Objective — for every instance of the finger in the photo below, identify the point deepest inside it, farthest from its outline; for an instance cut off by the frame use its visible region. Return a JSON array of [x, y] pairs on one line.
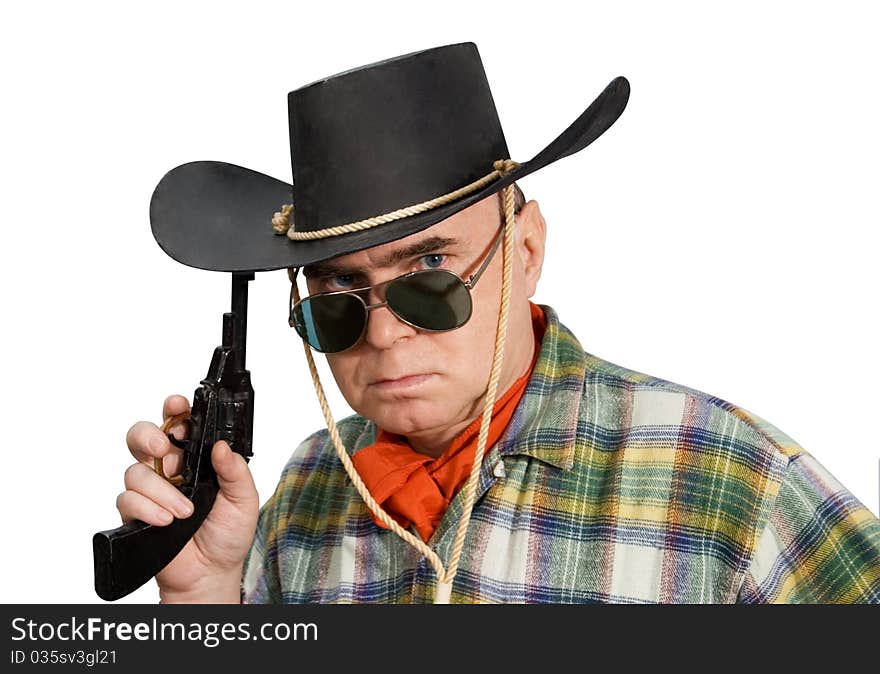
[[233, 474], [145, 481], [147, 442], [174, 405], [134, 506]]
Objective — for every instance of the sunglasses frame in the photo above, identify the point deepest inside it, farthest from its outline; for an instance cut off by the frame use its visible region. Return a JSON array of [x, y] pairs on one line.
[[469, 285]]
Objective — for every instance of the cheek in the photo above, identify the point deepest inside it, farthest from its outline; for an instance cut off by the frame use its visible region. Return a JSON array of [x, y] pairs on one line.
[[466, 354], [344, 370]]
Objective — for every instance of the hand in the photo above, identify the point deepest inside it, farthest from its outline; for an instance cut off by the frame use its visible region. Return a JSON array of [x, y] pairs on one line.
[[208, 568]]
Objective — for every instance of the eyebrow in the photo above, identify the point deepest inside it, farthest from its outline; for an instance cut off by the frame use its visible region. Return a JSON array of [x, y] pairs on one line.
[[422, 247]]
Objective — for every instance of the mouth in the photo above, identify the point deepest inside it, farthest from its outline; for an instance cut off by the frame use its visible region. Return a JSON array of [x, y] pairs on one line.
[[407, 381]]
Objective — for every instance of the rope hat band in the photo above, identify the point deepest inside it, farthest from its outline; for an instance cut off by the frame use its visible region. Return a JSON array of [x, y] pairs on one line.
[[281, 223]]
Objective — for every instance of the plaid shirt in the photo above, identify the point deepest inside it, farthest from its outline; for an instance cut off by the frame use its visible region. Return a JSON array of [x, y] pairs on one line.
[[607, 486]]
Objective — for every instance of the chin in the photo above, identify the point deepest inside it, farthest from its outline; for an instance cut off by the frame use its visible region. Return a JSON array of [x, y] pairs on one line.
[[406, 417]]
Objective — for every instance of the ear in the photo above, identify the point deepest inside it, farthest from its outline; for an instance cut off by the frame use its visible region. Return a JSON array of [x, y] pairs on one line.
[[531, 234]]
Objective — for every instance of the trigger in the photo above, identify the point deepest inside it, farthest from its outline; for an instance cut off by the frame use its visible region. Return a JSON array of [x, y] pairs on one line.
[[180, 444]]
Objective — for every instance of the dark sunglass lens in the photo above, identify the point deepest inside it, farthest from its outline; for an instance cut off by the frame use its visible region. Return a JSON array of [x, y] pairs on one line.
[[330, 323], [433, 300]]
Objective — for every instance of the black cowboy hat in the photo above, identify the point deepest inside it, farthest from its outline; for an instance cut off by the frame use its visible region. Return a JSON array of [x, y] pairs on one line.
[[363, 143]]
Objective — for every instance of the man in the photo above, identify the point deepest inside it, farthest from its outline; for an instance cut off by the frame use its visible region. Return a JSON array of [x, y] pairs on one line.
[[566, 478]]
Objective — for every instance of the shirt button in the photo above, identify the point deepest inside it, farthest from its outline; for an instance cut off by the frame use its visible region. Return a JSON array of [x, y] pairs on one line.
[[498, 470]]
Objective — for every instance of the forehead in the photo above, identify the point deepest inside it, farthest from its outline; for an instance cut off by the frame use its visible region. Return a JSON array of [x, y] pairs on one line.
[[463, 231]]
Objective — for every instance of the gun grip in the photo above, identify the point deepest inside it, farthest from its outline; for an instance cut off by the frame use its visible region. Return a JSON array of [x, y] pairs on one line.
[[128, 556]]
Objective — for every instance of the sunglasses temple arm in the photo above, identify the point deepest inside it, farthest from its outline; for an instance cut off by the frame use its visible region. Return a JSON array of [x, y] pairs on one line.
[[472, 281]]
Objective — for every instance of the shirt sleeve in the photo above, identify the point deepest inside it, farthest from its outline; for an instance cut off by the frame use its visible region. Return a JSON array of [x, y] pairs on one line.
[[820, 544], [261, 577], [260, 582]]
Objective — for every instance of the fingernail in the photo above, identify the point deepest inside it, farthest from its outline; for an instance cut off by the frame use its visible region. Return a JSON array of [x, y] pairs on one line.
[[185, 508], [157, 443], [164, 516]]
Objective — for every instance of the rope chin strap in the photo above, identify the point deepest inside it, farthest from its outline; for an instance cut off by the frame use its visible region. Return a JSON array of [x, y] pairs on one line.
[[445, 575]]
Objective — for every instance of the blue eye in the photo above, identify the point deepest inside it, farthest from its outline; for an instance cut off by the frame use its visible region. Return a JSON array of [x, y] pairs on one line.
[[434, 260], [340, 282]]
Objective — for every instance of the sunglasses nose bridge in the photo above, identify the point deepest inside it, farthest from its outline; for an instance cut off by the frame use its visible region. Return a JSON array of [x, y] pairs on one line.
[[377, 305], [374, 298], [374, 295]]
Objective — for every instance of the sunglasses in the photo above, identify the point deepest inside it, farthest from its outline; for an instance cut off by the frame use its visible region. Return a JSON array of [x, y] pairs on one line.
[[436, 300]]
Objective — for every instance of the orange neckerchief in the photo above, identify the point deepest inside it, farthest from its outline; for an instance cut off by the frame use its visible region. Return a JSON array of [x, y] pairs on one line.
[[416, 489]]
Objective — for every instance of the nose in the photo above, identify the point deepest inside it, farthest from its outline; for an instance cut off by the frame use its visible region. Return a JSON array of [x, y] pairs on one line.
[[384, 329]]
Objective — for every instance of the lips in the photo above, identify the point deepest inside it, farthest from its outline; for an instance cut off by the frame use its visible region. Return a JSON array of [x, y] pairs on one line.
[[397, 378], [402, 381]]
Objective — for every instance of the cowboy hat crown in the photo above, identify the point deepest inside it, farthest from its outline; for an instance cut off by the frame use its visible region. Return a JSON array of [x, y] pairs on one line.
[[378, 153]]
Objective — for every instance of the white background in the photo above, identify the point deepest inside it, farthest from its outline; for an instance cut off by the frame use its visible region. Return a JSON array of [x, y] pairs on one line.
[[722, 235]]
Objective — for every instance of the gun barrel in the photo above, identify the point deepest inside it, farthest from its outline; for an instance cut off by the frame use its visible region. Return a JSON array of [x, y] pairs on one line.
[[239, 311]]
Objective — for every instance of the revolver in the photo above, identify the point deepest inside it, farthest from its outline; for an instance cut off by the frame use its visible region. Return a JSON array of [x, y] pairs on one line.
[[222, 409]]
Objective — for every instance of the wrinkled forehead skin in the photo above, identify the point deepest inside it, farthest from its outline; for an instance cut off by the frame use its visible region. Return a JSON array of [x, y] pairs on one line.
[[466, 231]]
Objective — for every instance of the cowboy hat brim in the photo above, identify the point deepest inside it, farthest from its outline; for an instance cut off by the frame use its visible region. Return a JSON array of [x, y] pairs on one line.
[[217, 216]]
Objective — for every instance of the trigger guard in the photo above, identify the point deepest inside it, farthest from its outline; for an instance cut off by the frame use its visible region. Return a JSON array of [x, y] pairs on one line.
[[173, 421]]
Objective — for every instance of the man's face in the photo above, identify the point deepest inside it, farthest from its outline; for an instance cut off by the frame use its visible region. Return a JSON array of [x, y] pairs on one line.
[[429, 385]]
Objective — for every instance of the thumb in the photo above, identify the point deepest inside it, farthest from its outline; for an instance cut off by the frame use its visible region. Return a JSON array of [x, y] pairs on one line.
[[233, 474]]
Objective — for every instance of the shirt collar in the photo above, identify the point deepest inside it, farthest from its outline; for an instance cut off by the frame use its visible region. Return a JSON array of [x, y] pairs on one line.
[[544, 425]]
